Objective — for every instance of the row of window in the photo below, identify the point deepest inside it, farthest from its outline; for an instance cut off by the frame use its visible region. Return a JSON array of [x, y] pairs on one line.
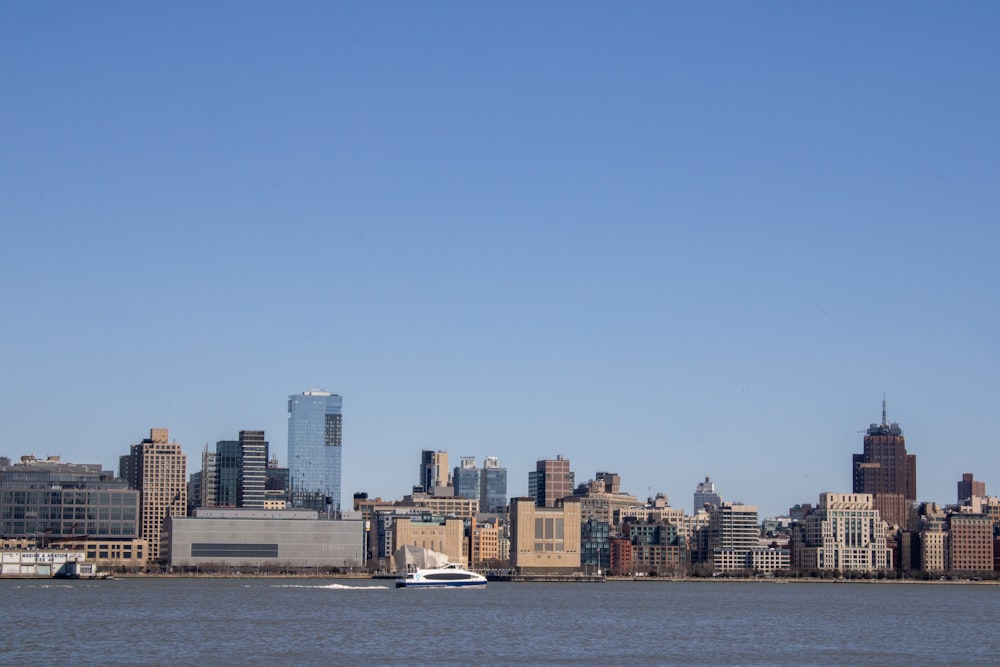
[[233, 550]]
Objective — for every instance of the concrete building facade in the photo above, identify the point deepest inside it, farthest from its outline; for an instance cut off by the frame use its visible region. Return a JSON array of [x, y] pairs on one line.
[[484, 543], [545, 539], [440, 534], [844, 532], [434, 473], [255, 538], [733, 532]]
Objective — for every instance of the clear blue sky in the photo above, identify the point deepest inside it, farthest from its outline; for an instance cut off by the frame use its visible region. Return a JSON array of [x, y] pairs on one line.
[[662, 239]]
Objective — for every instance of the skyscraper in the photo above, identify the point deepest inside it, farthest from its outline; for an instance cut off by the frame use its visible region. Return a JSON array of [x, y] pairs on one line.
[[705, 494], [493, 487], [235, 474], [433, 470], [157, 468], [227, 471], [466, 478], [968, 488], [314, 449], [252, 470], [551, 481], [886, 471]]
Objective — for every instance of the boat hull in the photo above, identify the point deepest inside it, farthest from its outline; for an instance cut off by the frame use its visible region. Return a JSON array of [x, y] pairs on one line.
[[439, 584], [448, 576]]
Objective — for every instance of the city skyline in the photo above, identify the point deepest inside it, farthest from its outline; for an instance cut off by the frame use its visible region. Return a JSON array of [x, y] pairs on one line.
[[669, 240], [430, 459]]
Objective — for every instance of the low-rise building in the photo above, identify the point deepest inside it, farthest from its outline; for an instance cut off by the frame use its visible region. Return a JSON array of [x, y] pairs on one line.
[[484, 543], [656, 547], [767, 560], [264, 539], [109, 555], [47, 499], [441, 505], [48, 563]]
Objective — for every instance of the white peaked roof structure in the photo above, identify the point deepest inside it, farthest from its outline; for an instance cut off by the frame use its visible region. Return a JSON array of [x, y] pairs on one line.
[[410, 558]]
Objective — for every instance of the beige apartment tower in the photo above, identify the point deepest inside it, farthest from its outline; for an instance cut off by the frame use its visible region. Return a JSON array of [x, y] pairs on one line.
[[434, 473], [157, 468]]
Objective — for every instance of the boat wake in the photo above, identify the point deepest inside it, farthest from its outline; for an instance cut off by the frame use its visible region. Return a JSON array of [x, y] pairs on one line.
[[334, 587]]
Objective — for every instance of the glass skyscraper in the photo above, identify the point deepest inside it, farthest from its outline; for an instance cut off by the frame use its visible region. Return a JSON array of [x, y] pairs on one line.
[[493, 487], [314, 442], [466, 478]]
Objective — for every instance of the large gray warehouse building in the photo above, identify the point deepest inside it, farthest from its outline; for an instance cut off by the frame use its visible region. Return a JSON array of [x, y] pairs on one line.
[[254, 538]]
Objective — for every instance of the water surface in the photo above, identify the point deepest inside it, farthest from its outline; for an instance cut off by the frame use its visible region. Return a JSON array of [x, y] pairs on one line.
[[253, 621]]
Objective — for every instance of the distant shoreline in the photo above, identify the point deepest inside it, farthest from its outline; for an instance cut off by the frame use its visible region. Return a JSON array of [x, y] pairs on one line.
[[662, 580]]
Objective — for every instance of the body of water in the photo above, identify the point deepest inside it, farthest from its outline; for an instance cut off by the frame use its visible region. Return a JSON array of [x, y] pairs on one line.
[[361, 622]]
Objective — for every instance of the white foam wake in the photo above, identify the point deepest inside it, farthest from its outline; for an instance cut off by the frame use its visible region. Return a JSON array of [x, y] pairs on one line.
[[333, 587]]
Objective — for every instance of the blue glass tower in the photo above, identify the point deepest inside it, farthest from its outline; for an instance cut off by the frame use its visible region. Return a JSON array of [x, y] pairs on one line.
[[466, 479], [493, 487], [314, 442]]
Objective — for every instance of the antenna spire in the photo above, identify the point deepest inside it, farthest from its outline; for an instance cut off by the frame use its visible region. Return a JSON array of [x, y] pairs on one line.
[[884, 422]]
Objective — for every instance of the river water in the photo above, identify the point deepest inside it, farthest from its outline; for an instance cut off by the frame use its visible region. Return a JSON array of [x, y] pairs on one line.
[[251, 621]]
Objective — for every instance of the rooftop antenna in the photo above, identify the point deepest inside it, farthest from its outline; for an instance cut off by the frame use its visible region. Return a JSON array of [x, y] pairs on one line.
[[884, 422]]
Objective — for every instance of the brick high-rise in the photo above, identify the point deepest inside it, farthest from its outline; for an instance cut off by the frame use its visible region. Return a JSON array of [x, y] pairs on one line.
[[969, 488], [551, 481], [886, 471]]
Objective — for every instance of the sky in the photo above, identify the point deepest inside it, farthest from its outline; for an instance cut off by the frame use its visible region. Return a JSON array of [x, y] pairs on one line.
[[665, 239]]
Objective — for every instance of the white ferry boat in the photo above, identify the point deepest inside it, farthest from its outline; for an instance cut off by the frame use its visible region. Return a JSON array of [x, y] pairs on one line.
[[446, 576]]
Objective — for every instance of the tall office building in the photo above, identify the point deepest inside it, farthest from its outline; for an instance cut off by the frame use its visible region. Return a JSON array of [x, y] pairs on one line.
[[466, 478], [969, 488], [315, 429], [205, 482], [227, 467], [433, 470], [157, 468], [705, 494], [252, 469], [493, 487], [886, 471], [733, 534], [551, 481], [235, 474]]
